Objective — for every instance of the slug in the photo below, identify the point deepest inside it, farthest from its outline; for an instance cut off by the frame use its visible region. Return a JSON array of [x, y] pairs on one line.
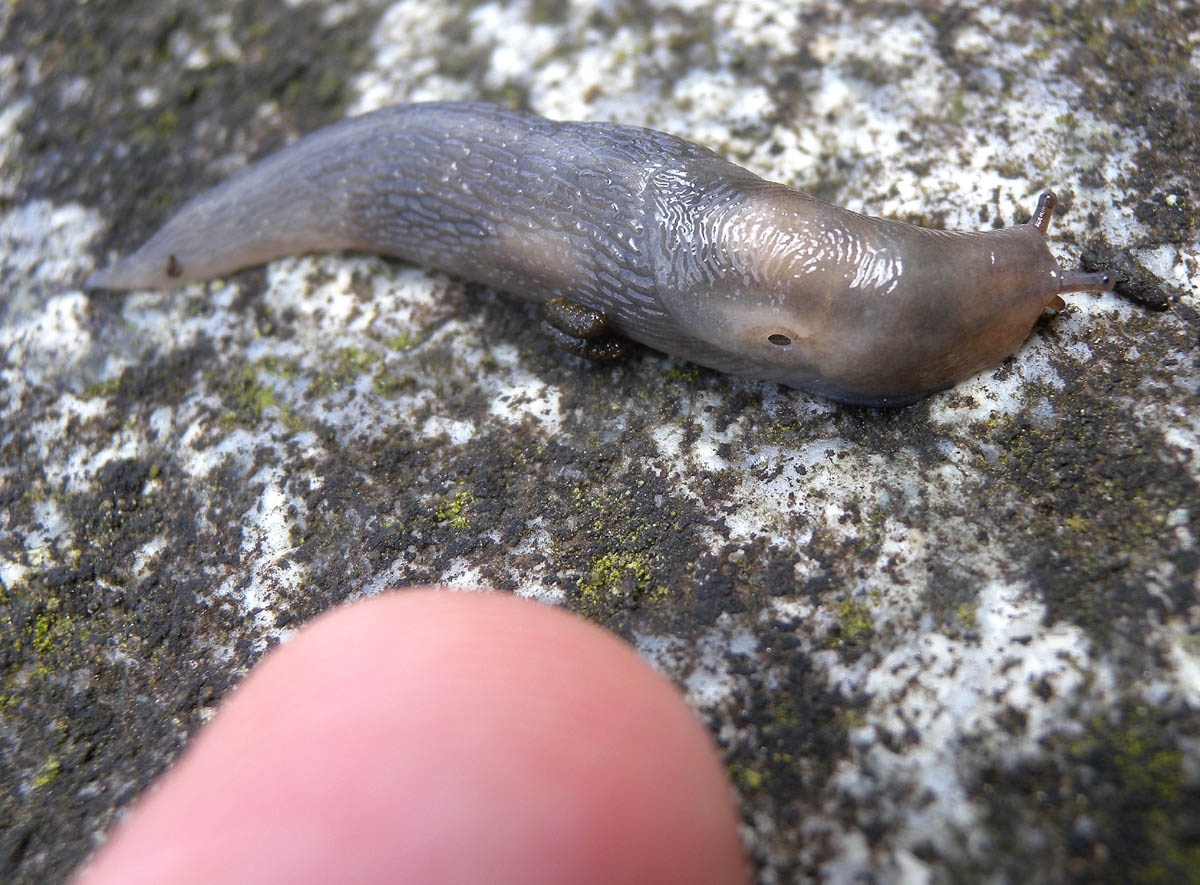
[[639, 233]]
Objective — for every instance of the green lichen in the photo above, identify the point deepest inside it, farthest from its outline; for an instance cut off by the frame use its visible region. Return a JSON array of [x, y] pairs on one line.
[[957, 109], [617, 580], [345, 367], [687, 375], [622, 531], [453, 510], [46, 634], [784, 715], [403, 342], [966, 616], [327, 88], [616, 573], [749, 780], [278, 366], [249, 394], [385, 384], [854, 622], [255, 31], [779, 432], [102, 389], [50, 629], [48, 773]]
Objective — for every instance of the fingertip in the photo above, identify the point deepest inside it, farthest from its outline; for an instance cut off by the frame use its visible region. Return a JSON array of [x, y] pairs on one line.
[[439, 736]]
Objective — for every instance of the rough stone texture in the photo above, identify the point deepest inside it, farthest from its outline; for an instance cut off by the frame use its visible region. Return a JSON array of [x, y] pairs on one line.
[[956, 641]]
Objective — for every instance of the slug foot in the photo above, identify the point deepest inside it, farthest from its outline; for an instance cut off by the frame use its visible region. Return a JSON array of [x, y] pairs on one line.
[[581, 330]]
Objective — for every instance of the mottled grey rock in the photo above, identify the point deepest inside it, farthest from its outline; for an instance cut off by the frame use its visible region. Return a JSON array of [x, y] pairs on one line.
[[956, 641]]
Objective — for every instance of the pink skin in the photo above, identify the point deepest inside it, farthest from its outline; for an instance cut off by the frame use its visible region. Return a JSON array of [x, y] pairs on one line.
[[426, 736]]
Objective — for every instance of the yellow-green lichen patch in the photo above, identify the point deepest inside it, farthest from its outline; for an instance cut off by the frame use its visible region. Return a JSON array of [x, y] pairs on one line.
[[250, 394], [688, 375], [453, 510], [157, 127], [621, 530], [748, 779], [616, 581], [855, 624], [278, 366], [791, 720], [37, 628], [50, 629], [966, 616], [102, 389], [385, 384], [48, 773], [402, 343], [615, 574], [343, 369]]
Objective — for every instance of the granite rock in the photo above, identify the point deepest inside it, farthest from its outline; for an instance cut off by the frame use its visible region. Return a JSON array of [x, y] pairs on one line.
[[956, 641]]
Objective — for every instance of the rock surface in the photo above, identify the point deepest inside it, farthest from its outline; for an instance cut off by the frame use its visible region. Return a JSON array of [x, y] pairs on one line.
[[955, 641]]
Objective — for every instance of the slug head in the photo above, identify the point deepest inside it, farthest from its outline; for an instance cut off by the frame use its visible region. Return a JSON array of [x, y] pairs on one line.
[[866, 310]]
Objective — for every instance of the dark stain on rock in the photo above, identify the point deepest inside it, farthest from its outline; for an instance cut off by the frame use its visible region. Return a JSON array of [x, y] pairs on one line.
[[1098, 491], [147, 131], [95, 637], [1113, 804]]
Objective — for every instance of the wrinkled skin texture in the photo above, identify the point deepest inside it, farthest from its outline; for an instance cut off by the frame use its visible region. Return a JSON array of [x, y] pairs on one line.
[[677, 248]]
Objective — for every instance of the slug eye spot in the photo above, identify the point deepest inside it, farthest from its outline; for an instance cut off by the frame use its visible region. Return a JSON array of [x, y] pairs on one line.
[[779, 340]]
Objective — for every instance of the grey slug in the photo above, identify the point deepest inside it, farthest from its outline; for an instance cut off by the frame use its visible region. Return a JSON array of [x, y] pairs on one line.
[[638, 232]]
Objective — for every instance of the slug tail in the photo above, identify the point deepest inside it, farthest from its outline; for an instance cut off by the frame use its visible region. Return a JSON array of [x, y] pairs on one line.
[[100, 279], [304, 198], [133, 272]]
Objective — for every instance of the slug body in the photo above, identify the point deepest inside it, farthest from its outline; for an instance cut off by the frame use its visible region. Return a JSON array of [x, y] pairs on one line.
[[676, 247]]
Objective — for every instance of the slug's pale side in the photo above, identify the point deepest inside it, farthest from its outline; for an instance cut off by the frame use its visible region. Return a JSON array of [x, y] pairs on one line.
[[638, 232]]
